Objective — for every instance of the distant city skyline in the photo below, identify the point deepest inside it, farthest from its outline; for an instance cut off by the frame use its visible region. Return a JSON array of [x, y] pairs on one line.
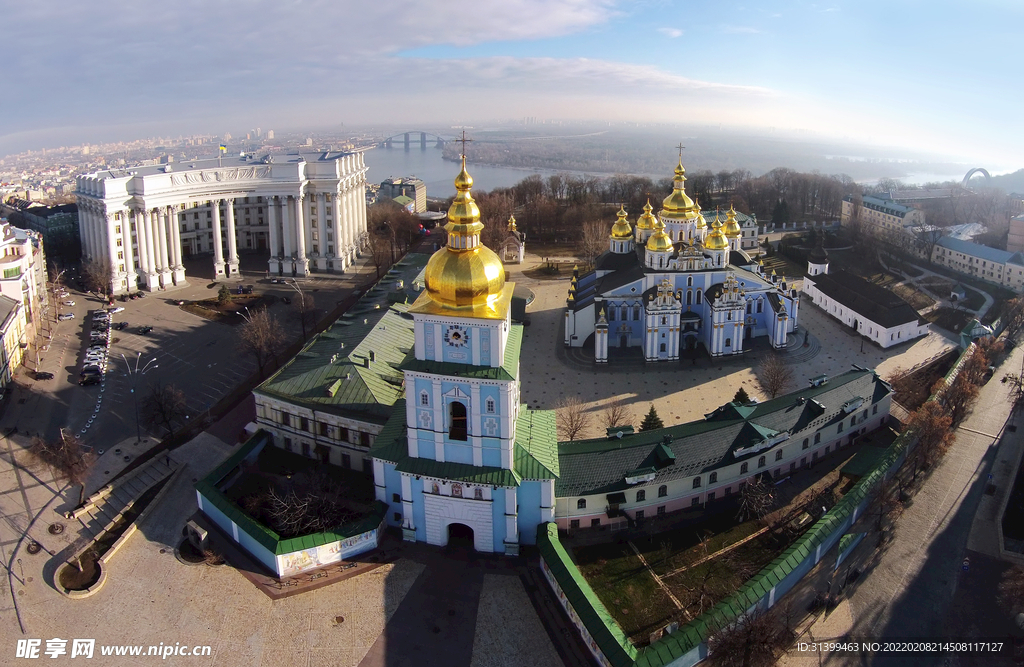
[[940, 78]]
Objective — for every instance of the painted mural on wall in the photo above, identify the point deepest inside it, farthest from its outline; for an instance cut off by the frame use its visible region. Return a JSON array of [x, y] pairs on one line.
[[297, 562]]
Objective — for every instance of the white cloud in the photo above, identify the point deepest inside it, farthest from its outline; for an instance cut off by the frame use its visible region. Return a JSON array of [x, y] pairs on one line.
[[671, 32]]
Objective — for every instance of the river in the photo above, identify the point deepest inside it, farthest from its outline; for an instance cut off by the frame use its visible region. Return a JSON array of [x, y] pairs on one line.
[[438, 174]]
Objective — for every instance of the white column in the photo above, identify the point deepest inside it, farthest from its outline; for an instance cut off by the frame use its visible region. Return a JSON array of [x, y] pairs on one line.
[[165, 268], [339, 243], [273, 237], [360, 196], [140, 241], [301, 263], [129, 255], [321, 217], [178, 269], [232, 241], [218, 244], [287, 232], [149, 220]]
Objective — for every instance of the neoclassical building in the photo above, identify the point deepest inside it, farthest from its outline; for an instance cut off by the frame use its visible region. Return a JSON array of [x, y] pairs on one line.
[[673, 283], [307, 210]]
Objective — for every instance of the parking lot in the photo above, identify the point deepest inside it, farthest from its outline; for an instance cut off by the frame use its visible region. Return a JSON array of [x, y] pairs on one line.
[[200, 357]]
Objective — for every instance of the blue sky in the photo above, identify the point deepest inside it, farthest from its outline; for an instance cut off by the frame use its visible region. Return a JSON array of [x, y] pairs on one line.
[[936, 76]]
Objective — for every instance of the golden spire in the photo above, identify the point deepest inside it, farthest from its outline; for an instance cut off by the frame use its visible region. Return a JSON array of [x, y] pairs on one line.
[[512, 223], [678, 206], [659, 240], [732, 228], [646, 221], [621, 231], [465, 272], [716, 239]]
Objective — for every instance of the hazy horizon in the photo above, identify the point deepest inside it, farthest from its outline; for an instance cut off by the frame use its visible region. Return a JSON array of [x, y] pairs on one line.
[[860, 73]]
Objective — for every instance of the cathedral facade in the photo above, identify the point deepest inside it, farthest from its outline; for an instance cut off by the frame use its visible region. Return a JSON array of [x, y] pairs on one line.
[[672, 283]]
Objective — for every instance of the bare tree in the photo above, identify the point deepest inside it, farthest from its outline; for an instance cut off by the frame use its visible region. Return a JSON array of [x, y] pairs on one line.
[[262, 336], [932, 426], [96, 275], [1013, 317], [757, 500], [592, 240], [885, 504], [774, 376], [305, 311], [572, 417], [66, 456], [958, 396], [314, 503], [617, 414], [164, 405], [381, 250], [755, 640]]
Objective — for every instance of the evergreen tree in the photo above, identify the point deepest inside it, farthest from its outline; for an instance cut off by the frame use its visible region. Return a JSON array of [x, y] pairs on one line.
[[652, 420], [224, 294], [741, 396], [780, 215]]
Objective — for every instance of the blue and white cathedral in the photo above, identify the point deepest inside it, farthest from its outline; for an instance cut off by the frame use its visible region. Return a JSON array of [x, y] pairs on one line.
[[461, 454], [672, 284]]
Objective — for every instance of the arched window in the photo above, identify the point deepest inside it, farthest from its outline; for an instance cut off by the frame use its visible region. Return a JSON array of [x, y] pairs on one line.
[[760, 462], [728, 342], [748, 308], [743, 468], [490, 405], [778, 455], [729, 316], [581, 504], [689, 281], [641, 496], [699, 295], [456, 490], [636, 312], [840, 428], [760, 305], [696, 482], [689, 297], [662, 491], [424, 398], [664, 320], [712, 478], [662, 347], [457, 421]]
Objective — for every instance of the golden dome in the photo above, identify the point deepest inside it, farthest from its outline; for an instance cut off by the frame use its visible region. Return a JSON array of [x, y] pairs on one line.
[[464, 273], [659, 241], [647, 220], [678, 205], [716, 239], [511, 221], [621, 230], [732, 228]]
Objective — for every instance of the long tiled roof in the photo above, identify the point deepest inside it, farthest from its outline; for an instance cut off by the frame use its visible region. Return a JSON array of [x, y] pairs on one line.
[[588, 467], [864, 298], [334, 372], [981, 251]]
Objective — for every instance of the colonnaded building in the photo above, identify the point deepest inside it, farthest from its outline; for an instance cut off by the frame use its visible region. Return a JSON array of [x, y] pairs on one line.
[[674, 283], [307, 210], [419, 384]]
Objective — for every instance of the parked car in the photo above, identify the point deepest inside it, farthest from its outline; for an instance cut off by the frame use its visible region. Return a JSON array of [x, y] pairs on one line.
[[145, 330], [43, 375], [121, 326], [97, 347], [89, 379], [248, 289], [63, 317], [69, 302], [115, 309], [276, 280]]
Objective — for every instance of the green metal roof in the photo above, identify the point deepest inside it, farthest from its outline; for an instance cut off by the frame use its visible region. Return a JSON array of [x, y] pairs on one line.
[[536, 448], [509, 369], [334, 372], [460, 472]]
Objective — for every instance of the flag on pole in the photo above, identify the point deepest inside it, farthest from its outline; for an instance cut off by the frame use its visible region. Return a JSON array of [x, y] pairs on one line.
[[223, 148]]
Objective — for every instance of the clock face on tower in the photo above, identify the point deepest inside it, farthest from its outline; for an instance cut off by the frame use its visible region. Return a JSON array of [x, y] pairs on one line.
[[456, 336]]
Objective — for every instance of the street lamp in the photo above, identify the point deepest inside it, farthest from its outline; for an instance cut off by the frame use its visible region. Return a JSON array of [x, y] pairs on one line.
[[133, 377]]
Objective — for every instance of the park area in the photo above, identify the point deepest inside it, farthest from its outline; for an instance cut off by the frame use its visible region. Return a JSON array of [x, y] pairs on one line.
[[701, 563]]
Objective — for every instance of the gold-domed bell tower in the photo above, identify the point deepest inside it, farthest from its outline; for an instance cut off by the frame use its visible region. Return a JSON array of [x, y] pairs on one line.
[[621, 239], [679, 213], [732, 230], [716, 244], [659, 247], [465, 278], [645, 224]]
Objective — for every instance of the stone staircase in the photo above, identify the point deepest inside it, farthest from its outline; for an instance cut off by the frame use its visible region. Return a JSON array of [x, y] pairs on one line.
[[103, 508]]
